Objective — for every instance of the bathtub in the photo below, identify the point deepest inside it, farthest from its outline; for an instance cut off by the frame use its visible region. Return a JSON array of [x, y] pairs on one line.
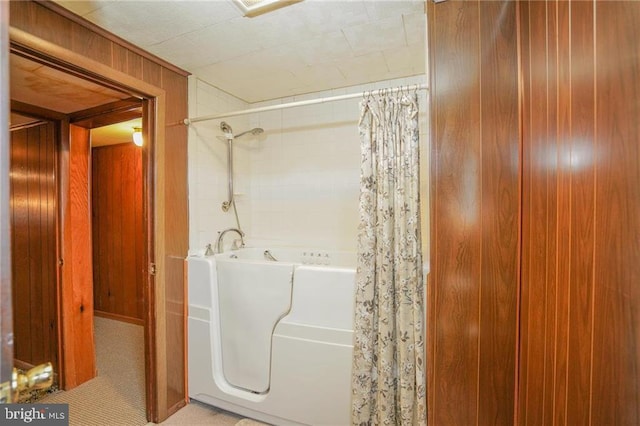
[[270, 334]]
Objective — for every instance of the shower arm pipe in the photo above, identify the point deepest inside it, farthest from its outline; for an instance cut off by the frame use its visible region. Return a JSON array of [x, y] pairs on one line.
[[411, 87]]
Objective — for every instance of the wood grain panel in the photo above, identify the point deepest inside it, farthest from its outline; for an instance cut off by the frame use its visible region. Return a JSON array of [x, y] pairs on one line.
[[119, 57], [546, 120], [563, 242], [117, 230], [49, 244], [455, 259], [77, 297], [33, 243], [580, 223], [500, 212], [473, 282], [175, 333], [34, 234], [52, 27], [99, 241], [90, 44], [20, 221], [152, 72], [176, 221], [582, 105], [134, 65], [615, 394], [538, 320], [526, 314], [549, 160]]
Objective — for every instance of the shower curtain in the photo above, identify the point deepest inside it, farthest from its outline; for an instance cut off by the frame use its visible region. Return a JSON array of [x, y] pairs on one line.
[[388, 379]]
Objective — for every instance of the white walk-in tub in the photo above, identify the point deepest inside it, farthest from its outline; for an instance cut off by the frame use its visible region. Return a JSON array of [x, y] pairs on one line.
[[272, 339]]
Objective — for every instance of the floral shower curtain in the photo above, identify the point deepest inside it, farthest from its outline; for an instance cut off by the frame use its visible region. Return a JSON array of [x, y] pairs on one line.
[[388, 380]]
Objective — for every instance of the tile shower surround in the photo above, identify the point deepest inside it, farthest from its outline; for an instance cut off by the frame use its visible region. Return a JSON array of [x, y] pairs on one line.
[[297, 184]]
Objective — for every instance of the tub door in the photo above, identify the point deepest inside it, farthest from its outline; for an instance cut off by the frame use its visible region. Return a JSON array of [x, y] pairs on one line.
[[252, 297]]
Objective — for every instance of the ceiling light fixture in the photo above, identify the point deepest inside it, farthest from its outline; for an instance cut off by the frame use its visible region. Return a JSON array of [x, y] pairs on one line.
[[137, 136], [252, 8]]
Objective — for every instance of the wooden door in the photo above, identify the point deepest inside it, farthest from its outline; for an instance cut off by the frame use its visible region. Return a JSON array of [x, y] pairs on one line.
[[78, 348], [580, 344]]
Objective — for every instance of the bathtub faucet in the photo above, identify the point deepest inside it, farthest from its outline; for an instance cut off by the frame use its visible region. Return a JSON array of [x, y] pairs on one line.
[[221, 236]]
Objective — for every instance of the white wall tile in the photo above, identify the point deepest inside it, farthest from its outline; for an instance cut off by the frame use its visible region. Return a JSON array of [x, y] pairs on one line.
[[300, 179], [208, 166]]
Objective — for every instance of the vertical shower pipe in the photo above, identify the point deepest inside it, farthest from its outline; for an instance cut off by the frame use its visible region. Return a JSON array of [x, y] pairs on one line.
[[228, 134], [226, 205]]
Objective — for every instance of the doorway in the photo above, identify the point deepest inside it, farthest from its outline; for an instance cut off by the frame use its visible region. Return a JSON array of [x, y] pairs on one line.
[[75, 106], [117, 222]]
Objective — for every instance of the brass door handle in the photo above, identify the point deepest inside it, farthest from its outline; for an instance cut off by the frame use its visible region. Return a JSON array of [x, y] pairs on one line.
[[39, 377]]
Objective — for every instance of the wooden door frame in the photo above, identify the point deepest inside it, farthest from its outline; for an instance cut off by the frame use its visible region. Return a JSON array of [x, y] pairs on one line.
[[153, 161]]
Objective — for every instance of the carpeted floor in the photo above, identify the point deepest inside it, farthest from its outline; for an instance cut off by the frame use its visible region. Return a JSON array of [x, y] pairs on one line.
[[116, 396]]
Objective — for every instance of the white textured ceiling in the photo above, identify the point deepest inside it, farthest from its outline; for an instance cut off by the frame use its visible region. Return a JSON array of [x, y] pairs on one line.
[[310, 46]]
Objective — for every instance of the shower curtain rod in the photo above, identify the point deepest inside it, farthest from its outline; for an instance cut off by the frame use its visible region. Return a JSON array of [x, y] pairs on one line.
[[189, 121]]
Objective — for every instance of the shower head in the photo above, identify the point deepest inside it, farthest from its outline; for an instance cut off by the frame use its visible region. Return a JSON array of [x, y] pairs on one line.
[[254, 132], [228, 132]]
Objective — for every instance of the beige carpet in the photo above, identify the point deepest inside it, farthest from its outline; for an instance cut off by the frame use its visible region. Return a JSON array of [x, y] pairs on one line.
[[116, 396]]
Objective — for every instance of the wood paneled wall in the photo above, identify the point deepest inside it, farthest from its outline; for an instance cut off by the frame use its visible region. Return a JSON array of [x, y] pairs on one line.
[[52, 24], [118, 231], [570, 72], [33, 244], [175, 193], [475, 206], [580, 350]]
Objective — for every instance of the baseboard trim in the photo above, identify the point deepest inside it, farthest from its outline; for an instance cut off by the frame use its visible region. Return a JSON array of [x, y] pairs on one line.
[[117, 317]]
